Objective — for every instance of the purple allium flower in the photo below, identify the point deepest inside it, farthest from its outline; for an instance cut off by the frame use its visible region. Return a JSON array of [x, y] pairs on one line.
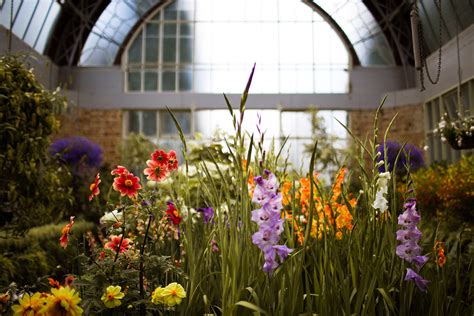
[[207, 214], [419, 281], [268, 217], [410, 152], [78, 152]]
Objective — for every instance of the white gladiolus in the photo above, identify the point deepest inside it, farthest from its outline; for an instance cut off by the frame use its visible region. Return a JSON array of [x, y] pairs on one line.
[[381, 202]]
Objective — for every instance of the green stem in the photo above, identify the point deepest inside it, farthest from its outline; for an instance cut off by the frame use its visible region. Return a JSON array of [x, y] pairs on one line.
[[141, 272], [117, 251]]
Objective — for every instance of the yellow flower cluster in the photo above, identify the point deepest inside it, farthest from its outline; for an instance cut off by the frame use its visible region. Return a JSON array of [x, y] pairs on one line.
[[112, 296], [60, 302], [332, 214], [170, 295]]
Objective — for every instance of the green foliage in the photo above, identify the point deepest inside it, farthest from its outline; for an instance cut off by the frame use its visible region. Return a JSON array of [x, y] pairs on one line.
[[26, 259], [30, 191], [135, 151]]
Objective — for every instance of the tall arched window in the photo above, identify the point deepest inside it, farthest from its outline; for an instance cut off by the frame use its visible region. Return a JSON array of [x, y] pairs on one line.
[[209, 46]]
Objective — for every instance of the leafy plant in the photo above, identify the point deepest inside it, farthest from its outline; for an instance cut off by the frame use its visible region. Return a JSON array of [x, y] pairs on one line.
[[30, 182]]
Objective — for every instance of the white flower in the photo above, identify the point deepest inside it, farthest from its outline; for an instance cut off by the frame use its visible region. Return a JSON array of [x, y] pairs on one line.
[[380, 202], [111, 218]]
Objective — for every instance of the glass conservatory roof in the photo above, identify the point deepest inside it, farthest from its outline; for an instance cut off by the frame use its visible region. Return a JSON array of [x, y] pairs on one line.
[[360, 28], [32, 20], [109, 33], [351, 16]]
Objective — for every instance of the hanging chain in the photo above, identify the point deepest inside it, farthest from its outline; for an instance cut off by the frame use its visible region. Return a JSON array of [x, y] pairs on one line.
[[422, 41]]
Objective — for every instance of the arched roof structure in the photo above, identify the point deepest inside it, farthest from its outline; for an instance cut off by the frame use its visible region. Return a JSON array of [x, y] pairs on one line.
[[93, 32]]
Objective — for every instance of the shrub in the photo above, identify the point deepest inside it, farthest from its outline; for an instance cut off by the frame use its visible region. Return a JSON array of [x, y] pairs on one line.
[[445, 192], [30, 180], [38, 254]]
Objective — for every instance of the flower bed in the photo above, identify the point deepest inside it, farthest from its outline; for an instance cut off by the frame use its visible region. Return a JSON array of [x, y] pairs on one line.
[[247, 236]]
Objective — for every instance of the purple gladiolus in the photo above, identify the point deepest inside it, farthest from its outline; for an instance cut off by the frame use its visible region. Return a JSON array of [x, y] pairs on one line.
[[409, 250], [420, 261], [268, 217], [415, 277], [207, 214], [410, 234]]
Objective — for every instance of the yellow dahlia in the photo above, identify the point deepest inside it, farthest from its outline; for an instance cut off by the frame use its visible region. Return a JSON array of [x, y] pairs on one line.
[[112, 296], [173, 294], [63, 302], [30, 305], [157, 296]]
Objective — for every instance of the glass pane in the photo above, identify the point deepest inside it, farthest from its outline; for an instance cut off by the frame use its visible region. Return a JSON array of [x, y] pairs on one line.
[[185, 29], [169, 50], [167, 126], [169, 30], [135, 51], [185, 80], [296, 124], [134, 81], [133, 122], [171, 14], [149, 123], [157, 16], [26, 13], [450, 101], [185, 50], [151, 51], [151, 81], [168, 82], [152, 30], [172, 144], [185, 15]]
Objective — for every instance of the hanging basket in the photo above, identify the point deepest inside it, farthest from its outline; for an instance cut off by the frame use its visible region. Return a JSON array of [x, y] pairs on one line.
[[459, 142]]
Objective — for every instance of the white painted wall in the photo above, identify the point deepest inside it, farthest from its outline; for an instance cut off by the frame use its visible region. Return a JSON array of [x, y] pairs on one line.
[[449, 71], [103, 87]]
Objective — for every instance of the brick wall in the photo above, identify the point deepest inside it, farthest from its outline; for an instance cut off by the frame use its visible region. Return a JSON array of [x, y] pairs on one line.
[[407, 127], [101, 126]]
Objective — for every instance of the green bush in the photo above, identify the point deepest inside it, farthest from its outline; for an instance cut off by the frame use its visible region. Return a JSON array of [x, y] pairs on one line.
[[30, 192], [445, 193], [26, 259]]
